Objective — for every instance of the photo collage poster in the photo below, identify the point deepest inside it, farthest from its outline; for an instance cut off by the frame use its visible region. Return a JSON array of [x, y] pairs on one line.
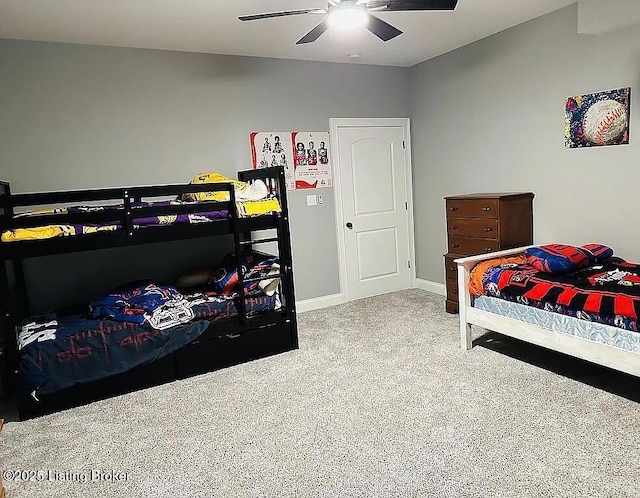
[[311, 159], [273, 148], [304, 155]]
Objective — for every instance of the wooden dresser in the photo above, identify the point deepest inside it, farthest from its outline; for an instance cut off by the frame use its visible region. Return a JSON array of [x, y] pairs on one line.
[[480, 223]]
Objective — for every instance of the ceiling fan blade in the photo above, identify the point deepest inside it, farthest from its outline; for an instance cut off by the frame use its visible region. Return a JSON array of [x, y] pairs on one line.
[[314, 34], [284, 13], [381, 29], [400, 5]]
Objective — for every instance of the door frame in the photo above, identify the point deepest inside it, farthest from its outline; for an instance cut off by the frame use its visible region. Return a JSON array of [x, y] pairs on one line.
[[334, 125]]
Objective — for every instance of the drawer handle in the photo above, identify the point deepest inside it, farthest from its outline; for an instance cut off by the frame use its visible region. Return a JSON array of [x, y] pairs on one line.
[[487, 229], [455, 246], [451, 268], [488, 249], [455, 291], [453, 209], [486, 209], [454, 227], [233, 336]]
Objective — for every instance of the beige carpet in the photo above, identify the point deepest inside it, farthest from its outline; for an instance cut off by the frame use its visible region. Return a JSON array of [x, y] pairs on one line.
[[379, 401]]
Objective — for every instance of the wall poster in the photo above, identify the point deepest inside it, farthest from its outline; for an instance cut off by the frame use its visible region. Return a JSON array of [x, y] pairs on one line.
[[311, 159], [597, 119], [273, 148], [304, 155]]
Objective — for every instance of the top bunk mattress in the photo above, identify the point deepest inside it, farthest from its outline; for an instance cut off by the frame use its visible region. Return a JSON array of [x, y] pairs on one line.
[[252, 199], [207, 215]]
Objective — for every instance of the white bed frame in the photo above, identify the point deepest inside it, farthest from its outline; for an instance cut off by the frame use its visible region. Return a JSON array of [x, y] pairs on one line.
[[602, 354]]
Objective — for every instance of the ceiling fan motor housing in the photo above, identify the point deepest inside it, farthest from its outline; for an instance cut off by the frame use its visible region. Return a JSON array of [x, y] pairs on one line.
[[354, 13], [347, 15]]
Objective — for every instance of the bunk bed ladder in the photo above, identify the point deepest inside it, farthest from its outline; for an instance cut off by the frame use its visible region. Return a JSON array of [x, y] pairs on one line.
[[286, 257], [277, 184], [238, 250]]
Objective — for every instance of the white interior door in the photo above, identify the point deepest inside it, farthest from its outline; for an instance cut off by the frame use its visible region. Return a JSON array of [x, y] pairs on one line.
[[373, 181]]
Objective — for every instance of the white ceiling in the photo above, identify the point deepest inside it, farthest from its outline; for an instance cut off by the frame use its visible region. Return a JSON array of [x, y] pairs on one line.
[[211, 26]]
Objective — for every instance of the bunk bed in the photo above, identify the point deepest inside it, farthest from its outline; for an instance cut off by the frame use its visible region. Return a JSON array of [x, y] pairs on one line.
[[227, 332], [588, 336]]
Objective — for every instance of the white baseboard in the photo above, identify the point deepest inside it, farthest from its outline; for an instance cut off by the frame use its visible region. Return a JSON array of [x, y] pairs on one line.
[[430, 286], [319, 302]]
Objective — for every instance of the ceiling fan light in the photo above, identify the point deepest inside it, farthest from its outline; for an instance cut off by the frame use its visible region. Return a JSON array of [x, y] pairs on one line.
[[348, 18]]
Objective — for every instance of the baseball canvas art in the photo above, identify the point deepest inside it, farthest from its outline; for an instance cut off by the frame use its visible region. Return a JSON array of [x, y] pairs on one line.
[[598, 119]]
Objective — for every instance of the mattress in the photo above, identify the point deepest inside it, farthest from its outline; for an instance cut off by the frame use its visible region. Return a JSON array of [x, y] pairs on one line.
[[61, 350], [569, 325]]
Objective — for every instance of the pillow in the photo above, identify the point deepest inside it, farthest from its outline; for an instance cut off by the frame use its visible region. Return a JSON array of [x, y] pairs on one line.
[[244, 191], [599, 251], [476, 286], [225, 279], [559, 258], [132, 304], [211, 177], [196, 278]]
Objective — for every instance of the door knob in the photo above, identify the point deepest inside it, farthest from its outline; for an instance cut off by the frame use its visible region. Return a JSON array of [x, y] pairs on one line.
[[349, 225]]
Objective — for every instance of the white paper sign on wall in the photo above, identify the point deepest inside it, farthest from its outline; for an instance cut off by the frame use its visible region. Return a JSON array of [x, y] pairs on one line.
[[311, 159]]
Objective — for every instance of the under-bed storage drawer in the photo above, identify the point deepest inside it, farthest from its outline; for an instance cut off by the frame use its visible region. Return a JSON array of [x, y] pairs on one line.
[[157, 372], [206, 356]]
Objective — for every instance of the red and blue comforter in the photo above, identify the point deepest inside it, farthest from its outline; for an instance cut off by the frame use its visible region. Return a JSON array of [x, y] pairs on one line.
[[607, 292], [58, 351]]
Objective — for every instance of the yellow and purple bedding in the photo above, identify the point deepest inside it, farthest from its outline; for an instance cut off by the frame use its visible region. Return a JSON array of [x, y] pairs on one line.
[[251, 200]]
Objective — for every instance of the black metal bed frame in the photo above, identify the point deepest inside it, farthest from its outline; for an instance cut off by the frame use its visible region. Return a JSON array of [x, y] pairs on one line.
[[230, 341]]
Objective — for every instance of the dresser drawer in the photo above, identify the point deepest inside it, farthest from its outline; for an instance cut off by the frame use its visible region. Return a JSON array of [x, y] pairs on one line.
[[471, 245], [452, 289], [473, 227], [451, 306], [450, 268], [473, 208]]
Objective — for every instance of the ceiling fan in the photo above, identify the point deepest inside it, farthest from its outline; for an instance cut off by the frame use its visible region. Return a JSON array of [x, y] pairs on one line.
[[354, 13]]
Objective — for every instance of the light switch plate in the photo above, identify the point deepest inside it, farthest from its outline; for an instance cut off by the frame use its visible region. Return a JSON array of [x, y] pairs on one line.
[[312, 200]]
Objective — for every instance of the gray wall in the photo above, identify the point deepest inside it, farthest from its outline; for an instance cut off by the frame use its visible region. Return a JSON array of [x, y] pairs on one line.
[[486, 117], [74, 116], [490, 117]]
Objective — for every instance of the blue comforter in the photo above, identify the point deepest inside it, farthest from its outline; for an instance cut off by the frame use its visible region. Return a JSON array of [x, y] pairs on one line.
[[58, 351]]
